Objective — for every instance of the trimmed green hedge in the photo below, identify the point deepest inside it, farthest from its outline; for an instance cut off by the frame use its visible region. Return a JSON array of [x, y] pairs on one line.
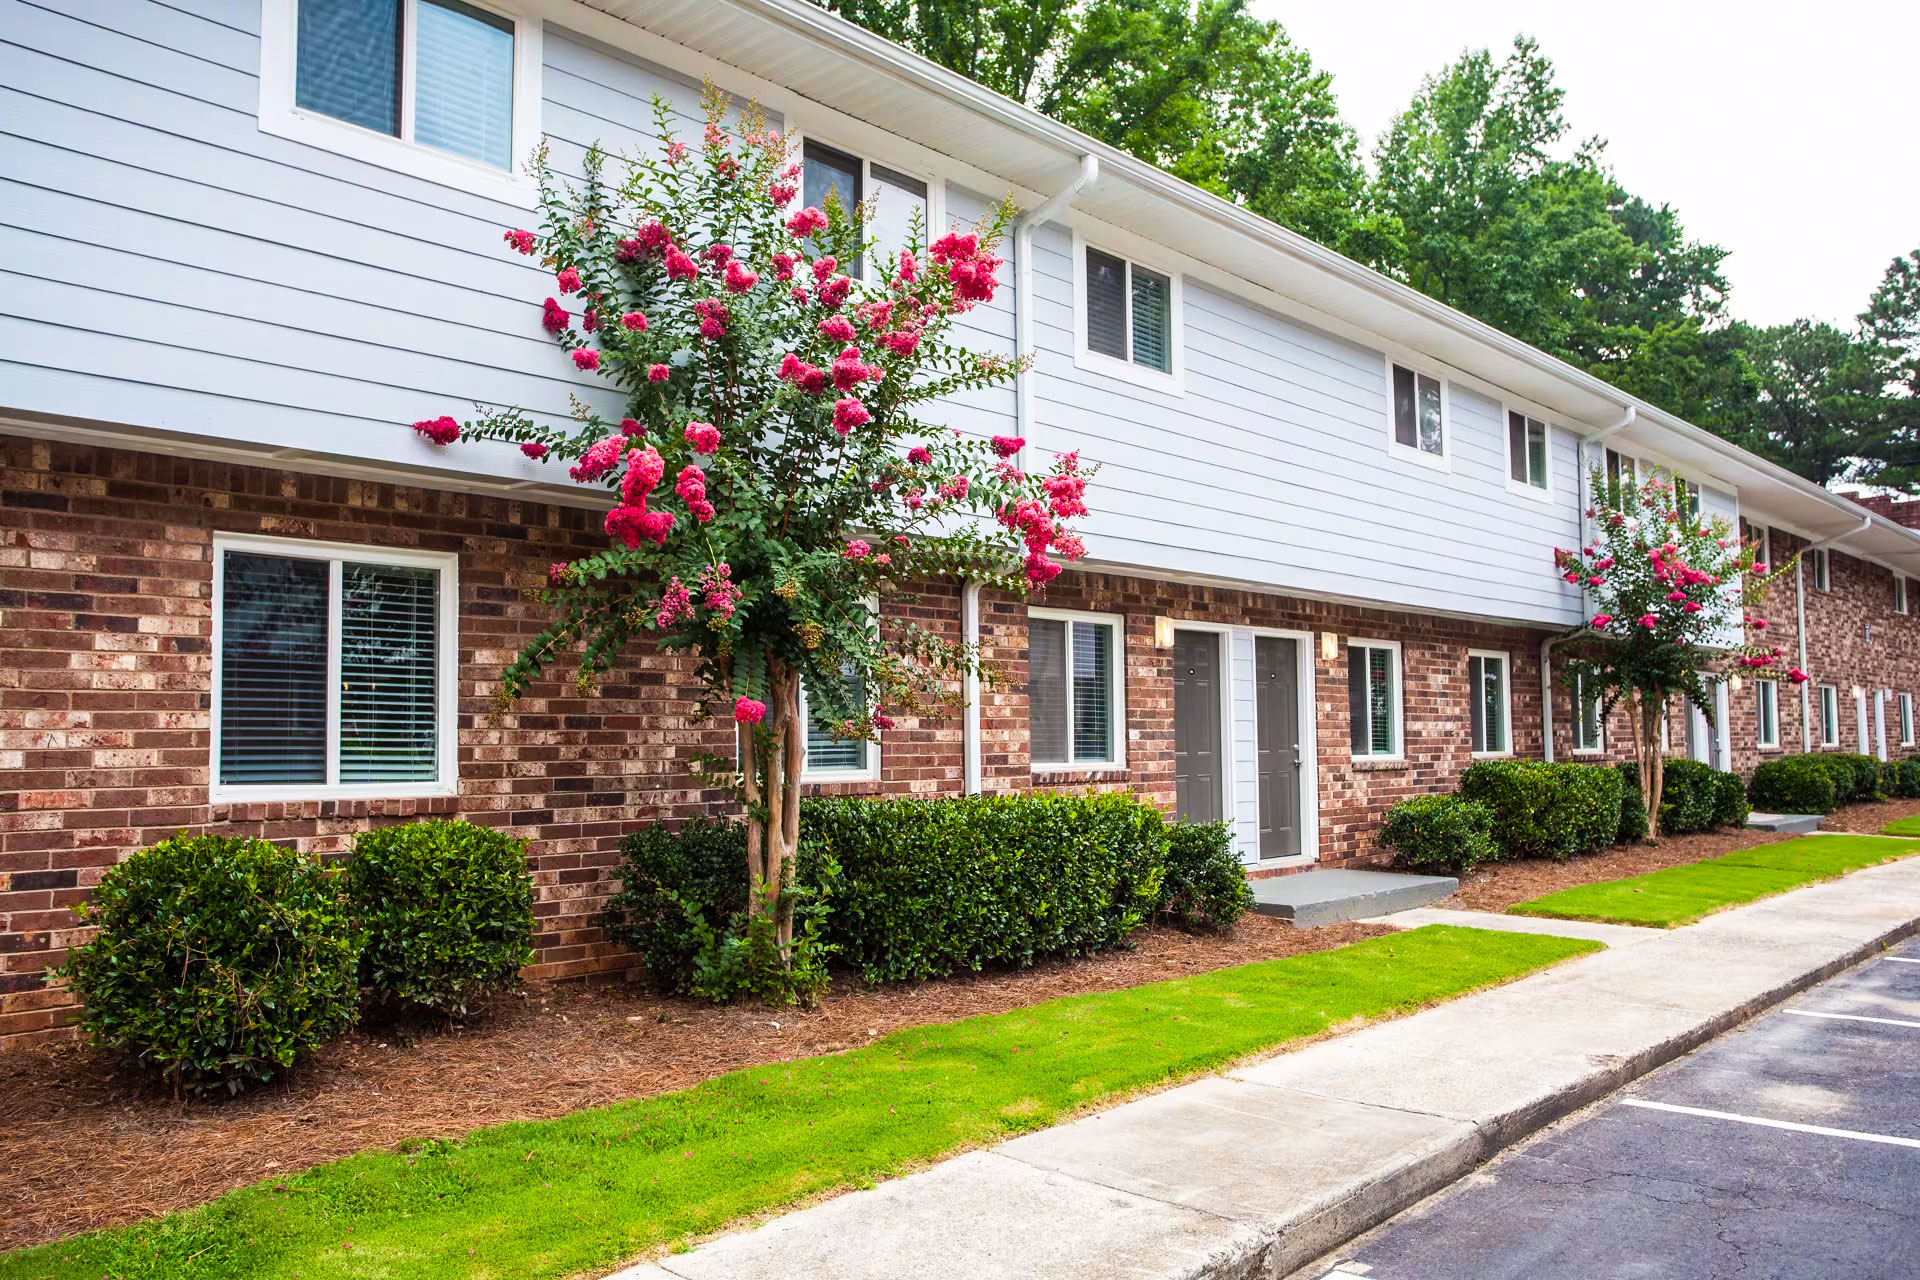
[[219, 960], [445, 912], [1905, 778], [1545, 810], [1689, 793], [1204, 886], [1439, 833], [1794, 784], [675, 889], [1633, 806], [929, 887], [1730, 807]]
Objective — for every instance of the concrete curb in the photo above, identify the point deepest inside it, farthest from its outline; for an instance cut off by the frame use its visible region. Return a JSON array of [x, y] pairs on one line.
[[1253, 1174]]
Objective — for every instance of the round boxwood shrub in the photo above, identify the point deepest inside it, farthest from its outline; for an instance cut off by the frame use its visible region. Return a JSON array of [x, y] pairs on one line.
[[677, 889], [1546, 810], [1204, 887], [1794, 784], [1439, 833], [1688, 792], [218, 961], [1730, 807], [1906, 778], [445, 911]]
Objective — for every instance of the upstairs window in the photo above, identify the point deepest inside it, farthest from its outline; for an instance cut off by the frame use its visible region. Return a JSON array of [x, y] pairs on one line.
[[1822, 570], [1419, 413], [1526, 451], [900, 201], [1588, 733], [1373, 698], [333, 671], [1128, 319], [1074, 698], [1767, 718], [1487, 703], [436, 72], [1686, 497]]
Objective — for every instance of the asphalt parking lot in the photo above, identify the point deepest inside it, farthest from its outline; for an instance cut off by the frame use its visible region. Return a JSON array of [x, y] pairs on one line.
[[1788, 1149]]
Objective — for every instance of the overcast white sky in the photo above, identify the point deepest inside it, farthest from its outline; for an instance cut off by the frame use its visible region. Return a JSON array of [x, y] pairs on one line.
[[1784, 133]]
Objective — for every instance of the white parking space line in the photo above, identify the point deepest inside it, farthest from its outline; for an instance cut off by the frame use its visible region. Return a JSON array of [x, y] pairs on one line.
[[1762, 1121], [1851, 1017], [1902, 959]]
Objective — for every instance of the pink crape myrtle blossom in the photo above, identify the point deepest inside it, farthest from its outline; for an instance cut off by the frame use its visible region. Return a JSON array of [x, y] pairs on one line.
[[441, 430], [748, 711], [704, 437]]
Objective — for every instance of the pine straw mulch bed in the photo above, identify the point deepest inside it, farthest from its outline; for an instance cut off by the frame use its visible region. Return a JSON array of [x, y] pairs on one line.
[[1499, 886], [83, 1146]]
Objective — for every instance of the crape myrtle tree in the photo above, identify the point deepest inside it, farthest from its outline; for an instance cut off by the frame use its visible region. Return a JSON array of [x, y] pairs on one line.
[[772, 479], [1669, 588]]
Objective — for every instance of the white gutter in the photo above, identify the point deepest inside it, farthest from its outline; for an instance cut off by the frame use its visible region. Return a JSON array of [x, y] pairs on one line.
[[1580, 522], [1800, 625], [1023, 227], [970, 714]]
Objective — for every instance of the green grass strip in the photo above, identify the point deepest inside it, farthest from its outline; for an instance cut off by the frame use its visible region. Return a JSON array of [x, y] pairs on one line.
[[1681, 895], [590, 1190], [1902, 827]]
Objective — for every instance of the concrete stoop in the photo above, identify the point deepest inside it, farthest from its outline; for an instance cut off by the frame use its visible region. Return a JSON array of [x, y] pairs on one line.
[[1334, 895], [1266, 1168], [1793, 824]]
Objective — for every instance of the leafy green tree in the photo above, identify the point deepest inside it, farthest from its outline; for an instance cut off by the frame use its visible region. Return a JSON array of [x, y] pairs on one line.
[[771, 473], [1002, 44], [1823, 404], [1892, 323]]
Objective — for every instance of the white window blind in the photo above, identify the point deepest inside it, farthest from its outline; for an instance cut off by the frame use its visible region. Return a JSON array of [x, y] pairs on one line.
[[334, 672], [1129, 311], [1487, 712], [349, 58], [828, 754], [463, 82], [1072, 699], [1372, 694]]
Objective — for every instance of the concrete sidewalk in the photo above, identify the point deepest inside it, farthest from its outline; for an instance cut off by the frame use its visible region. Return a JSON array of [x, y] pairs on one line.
[[1256, 1172]]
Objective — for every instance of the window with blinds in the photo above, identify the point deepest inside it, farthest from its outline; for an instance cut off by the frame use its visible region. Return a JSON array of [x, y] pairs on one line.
[[1588, 733], [332, 672], [351, 59], [1487, 698], [1129, 311], [827, 754], [1073, 701], [1767, 714], [1527, 451], [1373, 685]]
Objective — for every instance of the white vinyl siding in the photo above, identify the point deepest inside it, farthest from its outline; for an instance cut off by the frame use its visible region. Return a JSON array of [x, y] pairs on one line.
[[1487, 712], [1588, 733], [1373, 697], [1529, 454], [334, 671], [1829, 716], [1075, 698], [1767, 713], [1417, 413]]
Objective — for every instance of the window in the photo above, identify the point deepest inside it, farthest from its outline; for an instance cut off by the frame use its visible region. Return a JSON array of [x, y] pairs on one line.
[[1588, 733], [1763, 549], [1686, 495], [830, 759], [1526, 451], [1767, 717], [1899, 594], [334, 671], [1822, 570], [441, 89], [1621, 470], [1419, 413], [1906, 719], [1074, 694], [1373, 696], [1127, 314], [900, 210], [1487, 703], [1829, 716]]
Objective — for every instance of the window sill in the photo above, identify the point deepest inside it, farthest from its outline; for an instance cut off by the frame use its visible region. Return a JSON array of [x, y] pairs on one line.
[[1078, 770], [1519, 490], [1173, 384], [869, 777], [1766, 746], [1420, 457], [307, 795], [1492, 755], [1380, 764]]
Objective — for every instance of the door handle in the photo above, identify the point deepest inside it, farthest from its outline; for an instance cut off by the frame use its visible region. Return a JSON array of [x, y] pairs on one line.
[[1296, 757]]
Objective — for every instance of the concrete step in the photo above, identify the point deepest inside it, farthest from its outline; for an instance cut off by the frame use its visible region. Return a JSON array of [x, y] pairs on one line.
[[1793, 824], [1333, 895]]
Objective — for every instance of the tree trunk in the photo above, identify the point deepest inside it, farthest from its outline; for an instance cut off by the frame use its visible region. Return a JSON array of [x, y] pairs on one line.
[[1646, 715], [772, 774]]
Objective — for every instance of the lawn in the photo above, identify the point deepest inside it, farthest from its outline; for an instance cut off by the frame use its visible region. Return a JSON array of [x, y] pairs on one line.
[[1902, 827], [598, 1187], [1681, 895]]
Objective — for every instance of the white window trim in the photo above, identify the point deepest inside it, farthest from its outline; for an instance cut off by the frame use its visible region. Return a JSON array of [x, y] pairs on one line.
[[936, 186], [1516, 487], [1506, 699], [279, 116], [1764, 743], [1825, 692], [1173, 383], [1904, 704], [446, 671], [1600, 723], [1442, 461], [1399, 681], [868, 772], [1117, 663]]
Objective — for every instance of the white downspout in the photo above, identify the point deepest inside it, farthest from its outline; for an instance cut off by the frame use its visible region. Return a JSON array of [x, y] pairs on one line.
[[1580, 523], [1022, 426], [1800, 626]]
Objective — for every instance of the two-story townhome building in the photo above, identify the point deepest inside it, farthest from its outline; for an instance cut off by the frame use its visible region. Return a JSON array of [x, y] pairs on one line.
[[247, 242]]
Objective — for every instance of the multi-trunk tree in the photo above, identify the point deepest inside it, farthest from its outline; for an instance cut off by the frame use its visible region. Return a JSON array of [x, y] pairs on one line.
[[1671, 591], [772, 479]]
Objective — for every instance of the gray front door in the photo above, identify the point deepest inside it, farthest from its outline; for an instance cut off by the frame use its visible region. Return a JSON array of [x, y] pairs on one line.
[[1196, 725], [1277, 713]]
